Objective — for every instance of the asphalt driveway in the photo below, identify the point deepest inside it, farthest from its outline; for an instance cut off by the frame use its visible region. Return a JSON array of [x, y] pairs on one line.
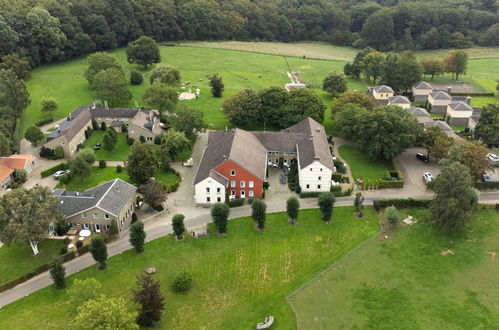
[[413, 169]]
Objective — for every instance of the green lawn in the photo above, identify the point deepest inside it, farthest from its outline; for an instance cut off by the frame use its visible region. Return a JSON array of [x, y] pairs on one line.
[[166, 178], [97, 177], [238, 279], [404, 282], [363, 166], [120, 151], [17, 260]]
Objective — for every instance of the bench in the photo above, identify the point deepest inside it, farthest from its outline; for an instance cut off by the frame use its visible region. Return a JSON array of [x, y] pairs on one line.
[[266, 324]]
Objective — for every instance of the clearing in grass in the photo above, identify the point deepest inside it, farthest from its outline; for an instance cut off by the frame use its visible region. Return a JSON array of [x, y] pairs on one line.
[[238, 279], [363, 166], [418, 278]]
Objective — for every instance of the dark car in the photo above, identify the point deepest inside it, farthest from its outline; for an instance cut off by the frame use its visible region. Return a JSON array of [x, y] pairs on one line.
[[422, 157], [97, 146]]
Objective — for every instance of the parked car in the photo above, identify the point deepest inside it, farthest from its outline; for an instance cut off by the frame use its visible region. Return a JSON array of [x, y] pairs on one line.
[[60, 173], [493, 158], [427, 177], [486, 178], [422, 157], [97, 146]]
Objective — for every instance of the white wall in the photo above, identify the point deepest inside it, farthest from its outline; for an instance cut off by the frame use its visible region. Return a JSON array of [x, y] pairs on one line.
[[201, 193], [458, 114], [416, 91], [310, 176]]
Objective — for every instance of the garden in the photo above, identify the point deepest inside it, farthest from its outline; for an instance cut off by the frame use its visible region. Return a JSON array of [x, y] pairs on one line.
[[424, 279], [119, 152], [238, 279]]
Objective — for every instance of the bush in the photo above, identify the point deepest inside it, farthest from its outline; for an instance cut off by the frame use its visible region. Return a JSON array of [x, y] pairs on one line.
[[119, 168], [59, 153], [335, 189], [63, 251], [103, 126], [136, 78], [265, 185], [401, 203], [52, 170], [235, 202], [310, 194], [157, 140], [159, 208], [142, 139], [64, 179], [183, 282], [340, 167], [487, 185], [134, 217], [297, 189], [102, 163], [44, 121], [79, 244], [129, 141]]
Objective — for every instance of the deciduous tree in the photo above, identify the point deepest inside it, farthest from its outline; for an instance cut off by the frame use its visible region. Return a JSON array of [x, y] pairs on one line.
[[473, 155], [33, 135], [80, 168], [392, 215], [19, 65], [98, 249], [104, 313], [432, 66], [175, 142], [110, 85], [137, 236], [326, 203], [49, 104], [220, 214], [161, 97], [357, 98], [26, 215], [154, 193], [258, 213], [488, 126], [165, 74], [456, 62], [358, 203], [82, 291], [143, 51], [378, 30], [293, 209], [14, 95], [178, 226], [98, 62], [150, 299], [303, 103], [335, 83], [242, 108], [374, 65], [141, 163], [188, 120], [4, 145]]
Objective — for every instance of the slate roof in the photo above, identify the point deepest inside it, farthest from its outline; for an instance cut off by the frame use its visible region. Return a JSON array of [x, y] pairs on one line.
[[442, 124], [382, 89], [398, 99], [422, 85], [440, 95], [314, 146], [418, 112], [114, 113], [460, 106], [147, 119], [279, 141], [111, 197]]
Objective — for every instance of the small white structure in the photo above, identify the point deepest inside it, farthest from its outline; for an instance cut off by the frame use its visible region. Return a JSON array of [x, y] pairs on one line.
[[381, 92], [211, 189], [459, 112], [400, 101], [315, 177]]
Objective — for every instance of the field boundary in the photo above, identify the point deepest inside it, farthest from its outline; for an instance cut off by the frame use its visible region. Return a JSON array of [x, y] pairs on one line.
[[307, 283]]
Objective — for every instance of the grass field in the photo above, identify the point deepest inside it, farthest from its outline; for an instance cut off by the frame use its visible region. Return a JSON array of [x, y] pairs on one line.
[[238, 279], [405, 282], [18, 259], [120, 151], [363, 166]]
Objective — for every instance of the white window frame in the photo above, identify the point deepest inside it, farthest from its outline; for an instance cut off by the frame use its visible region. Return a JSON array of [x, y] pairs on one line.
[[106, 216], [96, 216], [251, 194], [242, 194], [232, 172], [233, 184], [251, 184], [86, 226], [95, 228], [233, 193], [242, 184], [84, 215]]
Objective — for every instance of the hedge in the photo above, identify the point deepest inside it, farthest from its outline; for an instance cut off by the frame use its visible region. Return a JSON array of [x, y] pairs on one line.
[[401, 203], [487, 185], [473, 94], [52, 170], [174, 186], [38, 270], [44, 122], [310, 194], [235, 202], [340, 166]]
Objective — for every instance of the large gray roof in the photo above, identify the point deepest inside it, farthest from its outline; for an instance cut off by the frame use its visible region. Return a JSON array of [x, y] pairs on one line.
[[422, 85], [398, 99], [280, 141], [440, 123], [113, 113], [460, 106], [418, 112], [111, 197], [440, 95], [382, 89]]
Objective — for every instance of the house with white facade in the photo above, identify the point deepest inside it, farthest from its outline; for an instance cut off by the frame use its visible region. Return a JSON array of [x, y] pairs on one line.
[[400, 101], [381, 93], [421, 90], [459, 112], [438, 101]]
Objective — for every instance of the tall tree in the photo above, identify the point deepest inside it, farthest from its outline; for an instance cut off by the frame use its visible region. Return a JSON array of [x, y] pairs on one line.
[[141, 163], [9, 38], [176, 142], [178, 226], [272, 104], [217, 85], [188, 120], [258, 213], [473, 155], [154, 193], [401, 71], [436, 142], [241, 108], [19, 65], [26, 215], [161, 97], [454, 197], [165, 74], [487, 128], [220, 213], [303, 103], [58, 274], [374, 65], [14, 95], [143, 51], [80, 168], [456, 62], [432, 66], [110, 85], [98, 62], [82, 291], [150, 299], [104, 313], [293, 209], [98, 249], [335, 83], [326, 204], [137, 236], [354, 97], [378, 31], [49, 104], [4, 145], [358, 203], [33, 135]]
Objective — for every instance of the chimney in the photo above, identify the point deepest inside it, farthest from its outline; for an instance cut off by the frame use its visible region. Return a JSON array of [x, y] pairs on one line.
[[468, 100], [449, 90]]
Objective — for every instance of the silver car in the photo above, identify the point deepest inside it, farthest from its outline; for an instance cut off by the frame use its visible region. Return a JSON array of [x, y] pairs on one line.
[[427, 177]]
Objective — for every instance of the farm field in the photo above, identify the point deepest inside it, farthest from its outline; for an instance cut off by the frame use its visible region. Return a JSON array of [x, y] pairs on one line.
[[423, 279], [238, 279], [363, 166]]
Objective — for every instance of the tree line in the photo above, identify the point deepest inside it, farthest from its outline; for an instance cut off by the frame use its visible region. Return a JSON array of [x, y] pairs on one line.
[[45, 31]]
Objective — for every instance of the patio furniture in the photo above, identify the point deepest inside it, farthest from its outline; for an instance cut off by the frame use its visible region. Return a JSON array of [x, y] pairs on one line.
[[70, 246], [266, 324], [81, 238], [85, 233]]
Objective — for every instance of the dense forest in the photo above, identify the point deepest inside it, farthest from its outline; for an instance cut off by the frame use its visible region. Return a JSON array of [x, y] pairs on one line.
[[52, 30]]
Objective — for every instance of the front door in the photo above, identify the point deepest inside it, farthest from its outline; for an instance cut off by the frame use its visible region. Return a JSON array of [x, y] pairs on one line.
[[243, 194], [97, 228]]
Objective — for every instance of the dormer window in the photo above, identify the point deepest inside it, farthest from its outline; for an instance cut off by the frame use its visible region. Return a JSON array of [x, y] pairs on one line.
[[232, 173]]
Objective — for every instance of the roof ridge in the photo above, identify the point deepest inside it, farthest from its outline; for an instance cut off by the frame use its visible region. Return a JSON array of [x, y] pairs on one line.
[[107, 191]]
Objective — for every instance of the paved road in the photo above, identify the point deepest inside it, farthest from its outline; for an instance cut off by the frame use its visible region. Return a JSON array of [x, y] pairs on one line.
[[161, 226]]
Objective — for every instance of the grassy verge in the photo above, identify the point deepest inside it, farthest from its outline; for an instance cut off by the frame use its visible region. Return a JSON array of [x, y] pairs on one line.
[[18, 259], [363, 166], [407, 282], [120, 151], [238, 279], [97, 177]]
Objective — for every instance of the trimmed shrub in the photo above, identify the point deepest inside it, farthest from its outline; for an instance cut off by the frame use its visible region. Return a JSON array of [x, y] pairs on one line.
[[134, 217], [52, 170], [136, 78], [64, 179], [340, 167], [63, 250], [103, 126], [310, 194], [159, 208], [401, 203], [44, 121], [102, 163], [487, 185], [119, 168], [157, 140], [183, 281], [235, 202], [142, 139], [59, 152], [129, 141], [335, 189], [79, 244], [265, 185]]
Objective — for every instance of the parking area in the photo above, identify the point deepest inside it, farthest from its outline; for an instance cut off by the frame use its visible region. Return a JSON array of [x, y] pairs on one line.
[[278, 190], [413, 169]]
